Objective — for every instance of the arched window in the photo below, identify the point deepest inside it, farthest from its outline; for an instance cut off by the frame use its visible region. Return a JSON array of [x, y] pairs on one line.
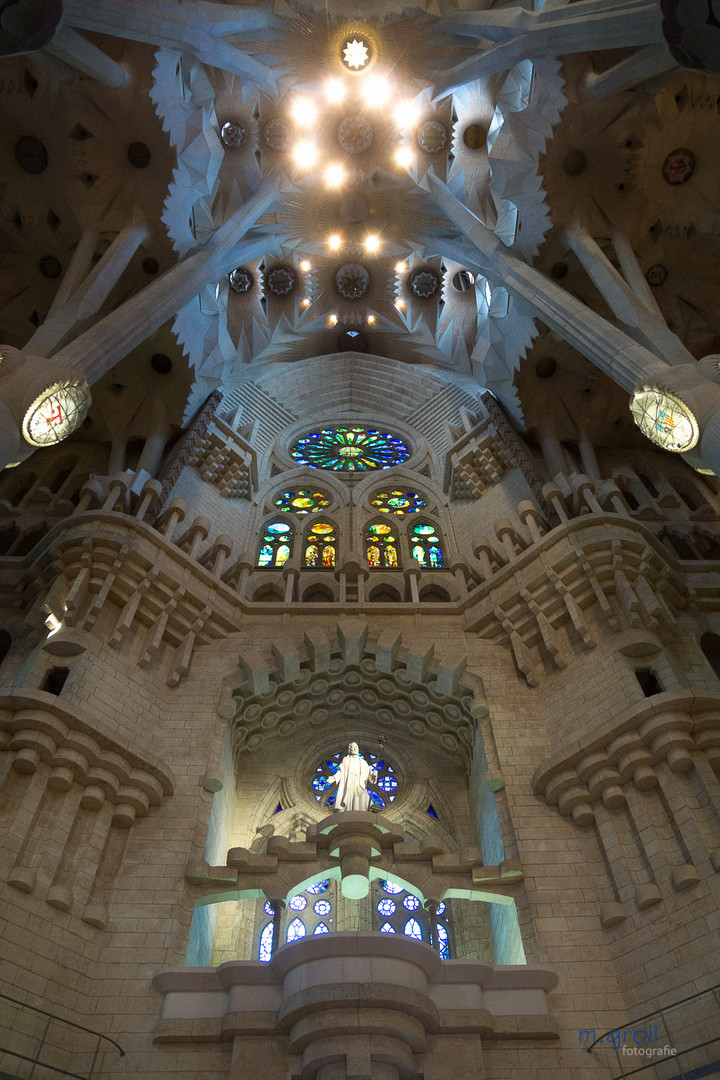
[[381, 545], [295, 930], [321, 545], [413, 929], [276, 545], [265, 949], [398, 911], [426, 544]]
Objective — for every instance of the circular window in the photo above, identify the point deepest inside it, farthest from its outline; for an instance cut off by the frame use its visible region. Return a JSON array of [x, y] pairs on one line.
[[382, 793], [298, 903], [355, 449], [322, 907], [463, 281]]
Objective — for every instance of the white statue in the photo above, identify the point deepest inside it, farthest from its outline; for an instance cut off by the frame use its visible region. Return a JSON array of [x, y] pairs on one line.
[[352, 779]]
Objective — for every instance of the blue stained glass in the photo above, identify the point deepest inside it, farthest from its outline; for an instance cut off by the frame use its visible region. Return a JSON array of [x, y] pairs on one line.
[[441, 909], [413, 930], [376, 800], [298, 903], [322, 907], [266, 937], [387, 783], [411, 903], [318, 887], [295, 930], [391, 888], [387, 929], [321, 928], [443, 941], [354, 449], [267, 908], [386, 907]]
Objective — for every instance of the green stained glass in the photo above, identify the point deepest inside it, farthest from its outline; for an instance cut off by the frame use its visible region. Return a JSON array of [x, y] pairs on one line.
[[302, 501], [398, 502], [346, 449]]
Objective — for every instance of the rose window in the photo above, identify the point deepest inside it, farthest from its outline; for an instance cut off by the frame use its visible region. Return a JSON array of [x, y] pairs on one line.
[[382, 793], [355, 449]]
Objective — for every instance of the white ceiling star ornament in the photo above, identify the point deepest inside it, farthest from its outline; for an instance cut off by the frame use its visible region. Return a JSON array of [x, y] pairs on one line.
[[355, 53]]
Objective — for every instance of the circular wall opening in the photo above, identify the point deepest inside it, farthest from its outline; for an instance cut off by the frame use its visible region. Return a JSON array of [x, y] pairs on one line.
[[31, 154], [161, 363], [50, 267], [474, 136], [463, 281], [138, 154]]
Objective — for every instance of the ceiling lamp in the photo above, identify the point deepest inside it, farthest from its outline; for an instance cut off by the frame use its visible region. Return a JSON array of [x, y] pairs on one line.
[[406, 114], [404, 156], [304, 112], [334, 175], [334, 91], [372, 243], [376, 90], [400, 267], [334, 242], [305, 153], [305, 266], [355, 53]]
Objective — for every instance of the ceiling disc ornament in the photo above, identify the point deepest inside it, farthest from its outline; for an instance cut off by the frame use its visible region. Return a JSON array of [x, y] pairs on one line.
[[278, 134], [241, 280], [56, 413], [355, 52], [352, 281], [355, 134], [281, 280], [354, 449], [678, 166], [656, 274], [232, 134], [424, 282], [664, 419], [432, 137]]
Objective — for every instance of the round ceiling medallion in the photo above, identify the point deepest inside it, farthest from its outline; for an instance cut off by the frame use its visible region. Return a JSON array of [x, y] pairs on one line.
[[355, 134], [281, 280], [354, 209], [656, 274], [56, 413], [474, 136], [241, 280], [664, 419], [678, 166], [232, 134], [432, 137], [352, 281], [355, 52], [424, 282], [278, 133], [463, 281]]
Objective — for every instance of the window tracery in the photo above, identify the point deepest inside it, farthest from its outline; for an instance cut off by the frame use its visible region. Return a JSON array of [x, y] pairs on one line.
[[276, 544], [350, 449], [398, 501], [381, 545], [302, 501], [320, 545], [382, 793], [426, 544], [398, 911]]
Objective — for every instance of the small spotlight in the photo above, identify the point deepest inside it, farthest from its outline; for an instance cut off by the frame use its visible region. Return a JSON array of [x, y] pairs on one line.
[[372, 243], [406, 114], [376, 90], [305, 153], [334, 175], [305, 302], [401, 267], [333, 320], [334, 90], [334, 242], [399, 304], [305, 266], [371, 319], [304, 112], [404, 156]]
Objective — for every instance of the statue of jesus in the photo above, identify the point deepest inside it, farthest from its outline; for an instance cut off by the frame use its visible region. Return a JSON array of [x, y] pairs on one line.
[[352, 779]]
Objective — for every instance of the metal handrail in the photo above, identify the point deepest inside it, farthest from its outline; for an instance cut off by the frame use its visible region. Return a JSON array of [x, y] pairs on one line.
[[35, 1061], [713, 991]]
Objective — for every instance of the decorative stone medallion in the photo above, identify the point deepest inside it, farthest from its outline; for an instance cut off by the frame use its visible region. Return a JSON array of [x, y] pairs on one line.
[[232, 134], [432, 137], [656, 274], [241, 280], [352, 281], [281, 280], [678, 166], [356, 52], [424, 282], [355, 134], [278, 133]]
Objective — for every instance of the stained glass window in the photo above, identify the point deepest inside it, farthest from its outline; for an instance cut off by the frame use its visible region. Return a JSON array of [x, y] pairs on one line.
[[413, 929], [398, 502], [320, 545], [321, 928], [411, 903], [322, 907], [298, 903], [426, 545], [319, 887], [295, 930], [266, 937], [386, 907], [381, 545], [382, 793], [386, 928], [302, 501], [443, 941], [392, 888], [350, 449], [267, 908], [276, 544]]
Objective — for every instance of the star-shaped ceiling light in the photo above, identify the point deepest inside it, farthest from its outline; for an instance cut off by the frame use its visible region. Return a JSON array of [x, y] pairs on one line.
[[355, 53]]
